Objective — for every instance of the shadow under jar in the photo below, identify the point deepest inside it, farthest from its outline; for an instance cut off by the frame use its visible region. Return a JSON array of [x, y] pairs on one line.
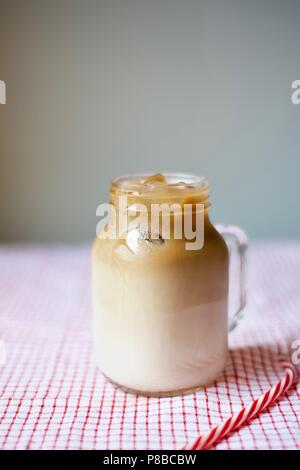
[[160, 310]]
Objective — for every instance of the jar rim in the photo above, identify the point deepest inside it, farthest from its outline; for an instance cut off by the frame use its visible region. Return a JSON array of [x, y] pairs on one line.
[[130, 183]]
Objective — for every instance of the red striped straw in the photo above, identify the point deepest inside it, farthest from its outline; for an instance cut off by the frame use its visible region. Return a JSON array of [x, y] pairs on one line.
[[217, 433]]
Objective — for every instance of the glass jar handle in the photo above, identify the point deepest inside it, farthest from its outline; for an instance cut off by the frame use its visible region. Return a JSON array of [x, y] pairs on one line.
[[236, 239]]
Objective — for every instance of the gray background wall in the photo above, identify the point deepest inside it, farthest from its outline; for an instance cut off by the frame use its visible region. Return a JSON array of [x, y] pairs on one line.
[[100, 88]]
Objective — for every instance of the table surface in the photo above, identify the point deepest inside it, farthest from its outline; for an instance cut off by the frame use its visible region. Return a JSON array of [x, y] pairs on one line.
[[53, 397]]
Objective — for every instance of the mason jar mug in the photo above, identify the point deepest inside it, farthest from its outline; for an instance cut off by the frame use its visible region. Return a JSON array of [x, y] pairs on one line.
[[160, 289]]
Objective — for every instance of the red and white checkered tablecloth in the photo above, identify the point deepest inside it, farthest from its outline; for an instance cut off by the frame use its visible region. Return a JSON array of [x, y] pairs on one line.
[[52, 396]]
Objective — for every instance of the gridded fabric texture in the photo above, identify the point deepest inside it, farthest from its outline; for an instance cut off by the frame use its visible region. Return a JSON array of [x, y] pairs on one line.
[[52, 396]]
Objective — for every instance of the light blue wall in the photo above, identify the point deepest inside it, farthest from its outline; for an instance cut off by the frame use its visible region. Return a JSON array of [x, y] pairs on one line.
[[101, 88]]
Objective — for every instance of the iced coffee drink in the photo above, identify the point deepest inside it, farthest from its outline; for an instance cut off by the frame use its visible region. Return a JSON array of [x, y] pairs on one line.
[[159, 309]]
